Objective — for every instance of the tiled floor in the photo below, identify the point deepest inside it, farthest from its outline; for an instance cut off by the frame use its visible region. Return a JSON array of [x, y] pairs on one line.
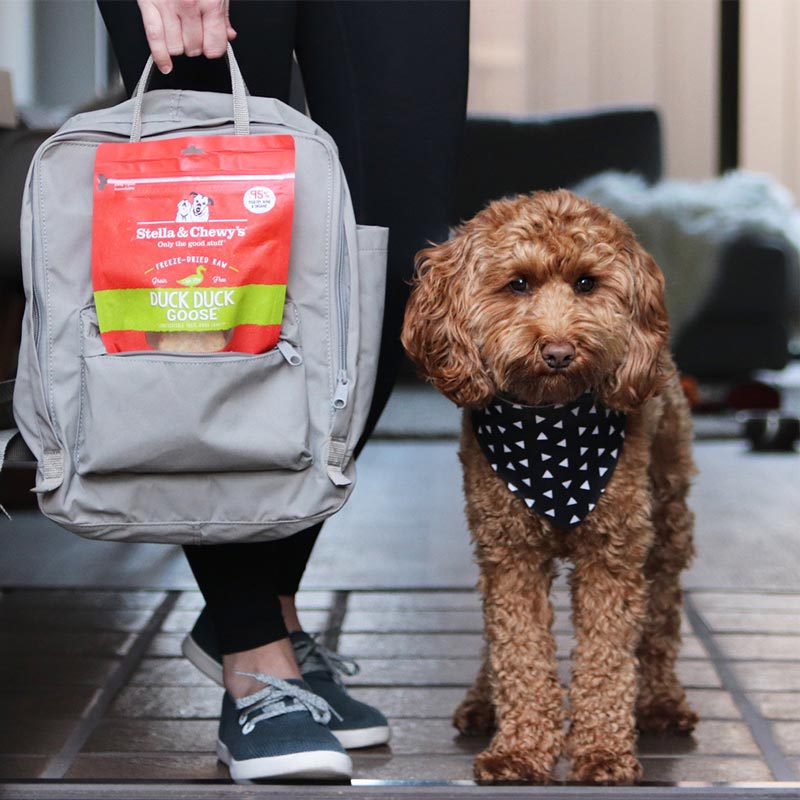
[[100, 692]]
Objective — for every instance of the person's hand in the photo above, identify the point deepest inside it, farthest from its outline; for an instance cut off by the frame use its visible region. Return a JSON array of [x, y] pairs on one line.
[[193, 27]]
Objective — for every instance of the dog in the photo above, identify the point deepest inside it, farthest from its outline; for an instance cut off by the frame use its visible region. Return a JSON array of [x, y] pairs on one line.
[[544, 319], [200, 204]]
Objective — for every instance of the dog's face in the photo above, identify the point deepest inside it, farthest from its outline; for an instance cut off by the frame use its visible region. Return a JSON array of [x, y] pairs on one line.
[[539, 298]]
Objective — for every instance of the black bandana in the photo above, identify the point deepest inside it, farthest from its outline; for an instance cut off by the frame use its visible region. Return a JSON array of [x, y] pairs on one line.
[[557, 458]]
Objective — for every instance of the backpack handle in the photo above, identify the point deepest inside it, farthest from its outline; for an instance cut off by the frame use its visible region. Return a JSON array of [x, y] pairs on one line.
[[241, 112]]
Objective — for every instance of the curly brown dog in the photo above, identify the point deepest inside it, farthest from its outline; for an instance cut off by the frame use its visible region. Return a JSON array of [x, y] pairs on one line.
[[544, 319]]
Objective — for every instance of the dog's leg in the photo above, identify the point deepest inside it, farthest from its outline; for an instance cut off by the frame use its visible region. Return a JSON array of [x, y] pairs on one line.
[[475, 714], [609, 605], [662, 705], [519, 677], [527, 695]]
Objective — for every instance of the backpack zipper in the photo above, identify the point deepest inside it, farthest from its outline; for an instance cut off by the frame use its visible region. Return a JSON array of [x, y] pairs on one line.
[[342, 390], [287, 351]]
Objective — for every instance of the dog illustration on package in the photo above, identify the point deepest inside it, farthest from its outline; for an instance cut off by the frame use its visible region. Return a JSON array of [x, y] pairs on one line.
[[184, 211], [200, 204]]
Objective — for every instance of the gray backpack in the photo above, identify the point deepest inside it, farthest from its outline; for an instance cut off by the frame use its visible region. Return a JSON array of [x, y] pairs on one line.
[[195, 448]]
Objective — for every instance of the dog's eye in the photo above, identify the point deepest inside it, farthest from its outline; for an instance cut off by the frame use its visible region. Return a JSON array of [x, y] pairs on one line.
[[518, 285], [584, 285]]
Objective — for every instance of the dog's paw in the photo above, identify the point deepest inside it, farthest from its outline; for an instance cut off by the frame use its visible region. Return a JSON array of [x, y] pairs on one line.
[[666, 715], [497, 765], [604, 768], [474, 717]]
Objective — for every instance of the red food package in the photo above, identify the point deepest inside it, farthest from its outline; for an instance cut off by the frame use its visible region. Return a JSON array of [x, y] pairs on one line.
[[190, 242]]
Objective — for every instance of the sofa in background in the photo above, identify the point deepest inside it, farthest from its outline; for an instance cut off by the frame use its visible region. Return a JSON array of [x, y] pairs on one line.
[[17, 147], [514, 155]]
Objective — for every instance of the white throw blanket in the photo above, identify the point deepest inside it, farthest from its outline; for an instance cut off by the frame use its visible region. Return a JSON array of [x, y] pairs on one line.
[[683, 223]]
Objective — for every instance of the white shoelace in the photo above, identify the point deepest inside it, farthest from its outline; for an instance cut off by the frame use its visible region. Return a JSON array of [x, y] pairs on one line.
[[271, 702], [312, 656]]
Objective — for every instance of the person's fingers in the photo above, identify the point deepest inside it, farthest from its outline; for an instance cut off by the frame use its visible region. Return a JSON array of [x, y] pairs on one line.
[[174, 27], [229, 28], [217, 28], [156, 35], [173, 35], [193, 22]]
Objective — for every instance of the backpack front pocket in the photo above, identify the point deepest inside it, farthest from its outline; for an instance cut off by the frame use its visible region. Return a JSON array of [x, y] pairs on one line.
[[151, 412]]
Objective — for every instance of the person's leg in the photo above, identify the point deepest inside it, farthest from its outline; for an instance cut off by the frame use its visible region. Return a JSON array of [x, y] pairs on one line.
[[271, 725], [236, 580], [293, 552], [389, 82], [238, 584]]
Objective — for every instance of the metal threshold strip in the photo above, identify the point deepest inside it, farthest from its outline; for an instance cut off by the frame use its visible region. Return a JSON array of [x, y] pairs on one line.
[[381, 790]]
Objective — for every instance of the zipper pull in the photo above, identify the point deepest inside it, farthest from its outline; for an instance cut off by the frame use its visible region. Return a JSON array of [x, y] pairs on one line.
[[289, 353], [342, 390]]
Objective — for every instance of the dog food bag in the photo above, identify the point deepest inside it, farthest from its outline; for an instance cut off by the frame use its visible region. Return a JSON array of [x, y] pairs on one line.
[[190, 242]]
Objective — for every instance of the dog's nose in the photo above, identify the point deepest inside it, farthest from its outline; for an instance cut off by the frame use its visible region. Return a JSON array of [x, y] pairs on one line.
[[558, 355]]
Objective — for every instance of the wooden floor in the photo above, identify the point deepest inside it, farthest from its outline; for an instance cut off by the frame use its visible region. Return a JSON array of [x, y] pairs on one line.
[[95, 700], [97, 689]]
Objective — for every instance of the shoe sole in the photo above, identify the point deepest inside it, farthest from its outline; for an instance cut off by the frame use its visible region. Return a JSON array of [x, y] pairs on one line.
[[362, 737], [200, 659], [315, 764], [349, 739]]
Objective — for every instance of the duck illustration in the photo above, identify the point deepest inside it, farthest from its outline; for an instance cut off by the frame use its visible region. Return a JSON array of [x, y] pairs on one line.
[[193, 280]]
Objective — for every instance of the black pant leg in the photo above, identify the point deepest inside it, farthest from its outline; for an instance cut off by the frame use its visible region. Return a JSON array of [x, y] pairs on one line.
[[236, 581], [241, 584], [388, 80]]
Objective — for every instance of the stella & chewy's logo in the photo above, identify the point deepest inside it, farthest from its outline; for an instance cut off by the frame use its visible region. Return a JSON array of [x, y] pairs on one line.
[[145, 230], [192, 208]]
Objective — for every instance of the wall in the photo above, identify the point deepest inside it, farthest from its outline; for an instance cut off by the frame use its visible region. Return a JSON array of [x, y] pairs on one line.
[[534, 56], [770, 81], [16, 47], [56, 53]]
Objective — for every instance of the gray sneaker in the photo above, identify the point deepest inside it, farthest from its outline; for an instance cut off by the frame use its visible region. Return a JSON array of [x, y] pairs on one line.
[[354, 724], [280, 732]]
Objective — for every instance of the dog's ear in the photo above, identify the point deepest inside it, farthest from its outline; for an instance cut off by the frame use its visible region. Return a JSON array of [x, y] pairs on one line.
[[435, 331], [646, 366]]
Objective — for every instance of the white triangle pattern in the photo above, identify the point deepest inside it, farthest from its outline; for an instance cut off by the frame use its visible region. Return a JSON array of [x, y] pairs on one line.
[[548, 447]]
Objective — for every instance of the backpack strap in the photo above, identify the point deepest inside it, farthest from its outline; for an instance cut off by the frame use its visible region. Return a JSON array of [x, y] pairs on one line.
[[239, 92], [337, 454], [6, 404], [14, 453], [13, 448], [6, 438]]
